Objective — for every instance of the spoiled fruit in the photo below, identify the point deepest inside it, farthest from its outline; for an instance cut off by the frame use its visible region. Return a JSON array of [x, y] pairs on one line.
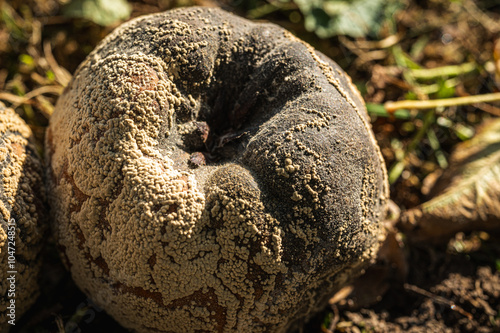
[[22, 218], [208, 173]]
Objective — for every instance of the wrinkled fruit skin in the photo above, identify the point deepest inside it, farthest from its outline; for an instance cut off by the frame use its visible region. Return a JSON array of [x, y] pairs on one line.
[[22, 217], [210, 174]]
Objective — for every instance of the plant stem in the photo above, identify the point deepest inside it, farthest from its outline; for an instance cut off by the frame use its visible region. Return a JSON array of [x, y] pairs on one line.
[[435, 103], [432, 73]]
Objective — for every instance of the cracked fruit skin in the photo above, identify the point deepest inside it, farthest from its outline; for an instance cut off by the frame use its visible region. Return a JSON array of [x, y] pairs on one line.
[[212, 174]]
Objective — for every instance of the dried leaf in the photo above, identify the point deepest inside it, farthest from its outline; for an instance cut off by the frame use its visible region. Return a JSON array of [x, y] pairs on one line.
[[468, 192]]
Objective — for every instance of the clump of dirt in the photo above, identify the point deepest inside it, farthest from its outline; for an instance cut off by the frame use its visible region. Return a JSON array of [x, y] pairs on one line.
[[444, 291]]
